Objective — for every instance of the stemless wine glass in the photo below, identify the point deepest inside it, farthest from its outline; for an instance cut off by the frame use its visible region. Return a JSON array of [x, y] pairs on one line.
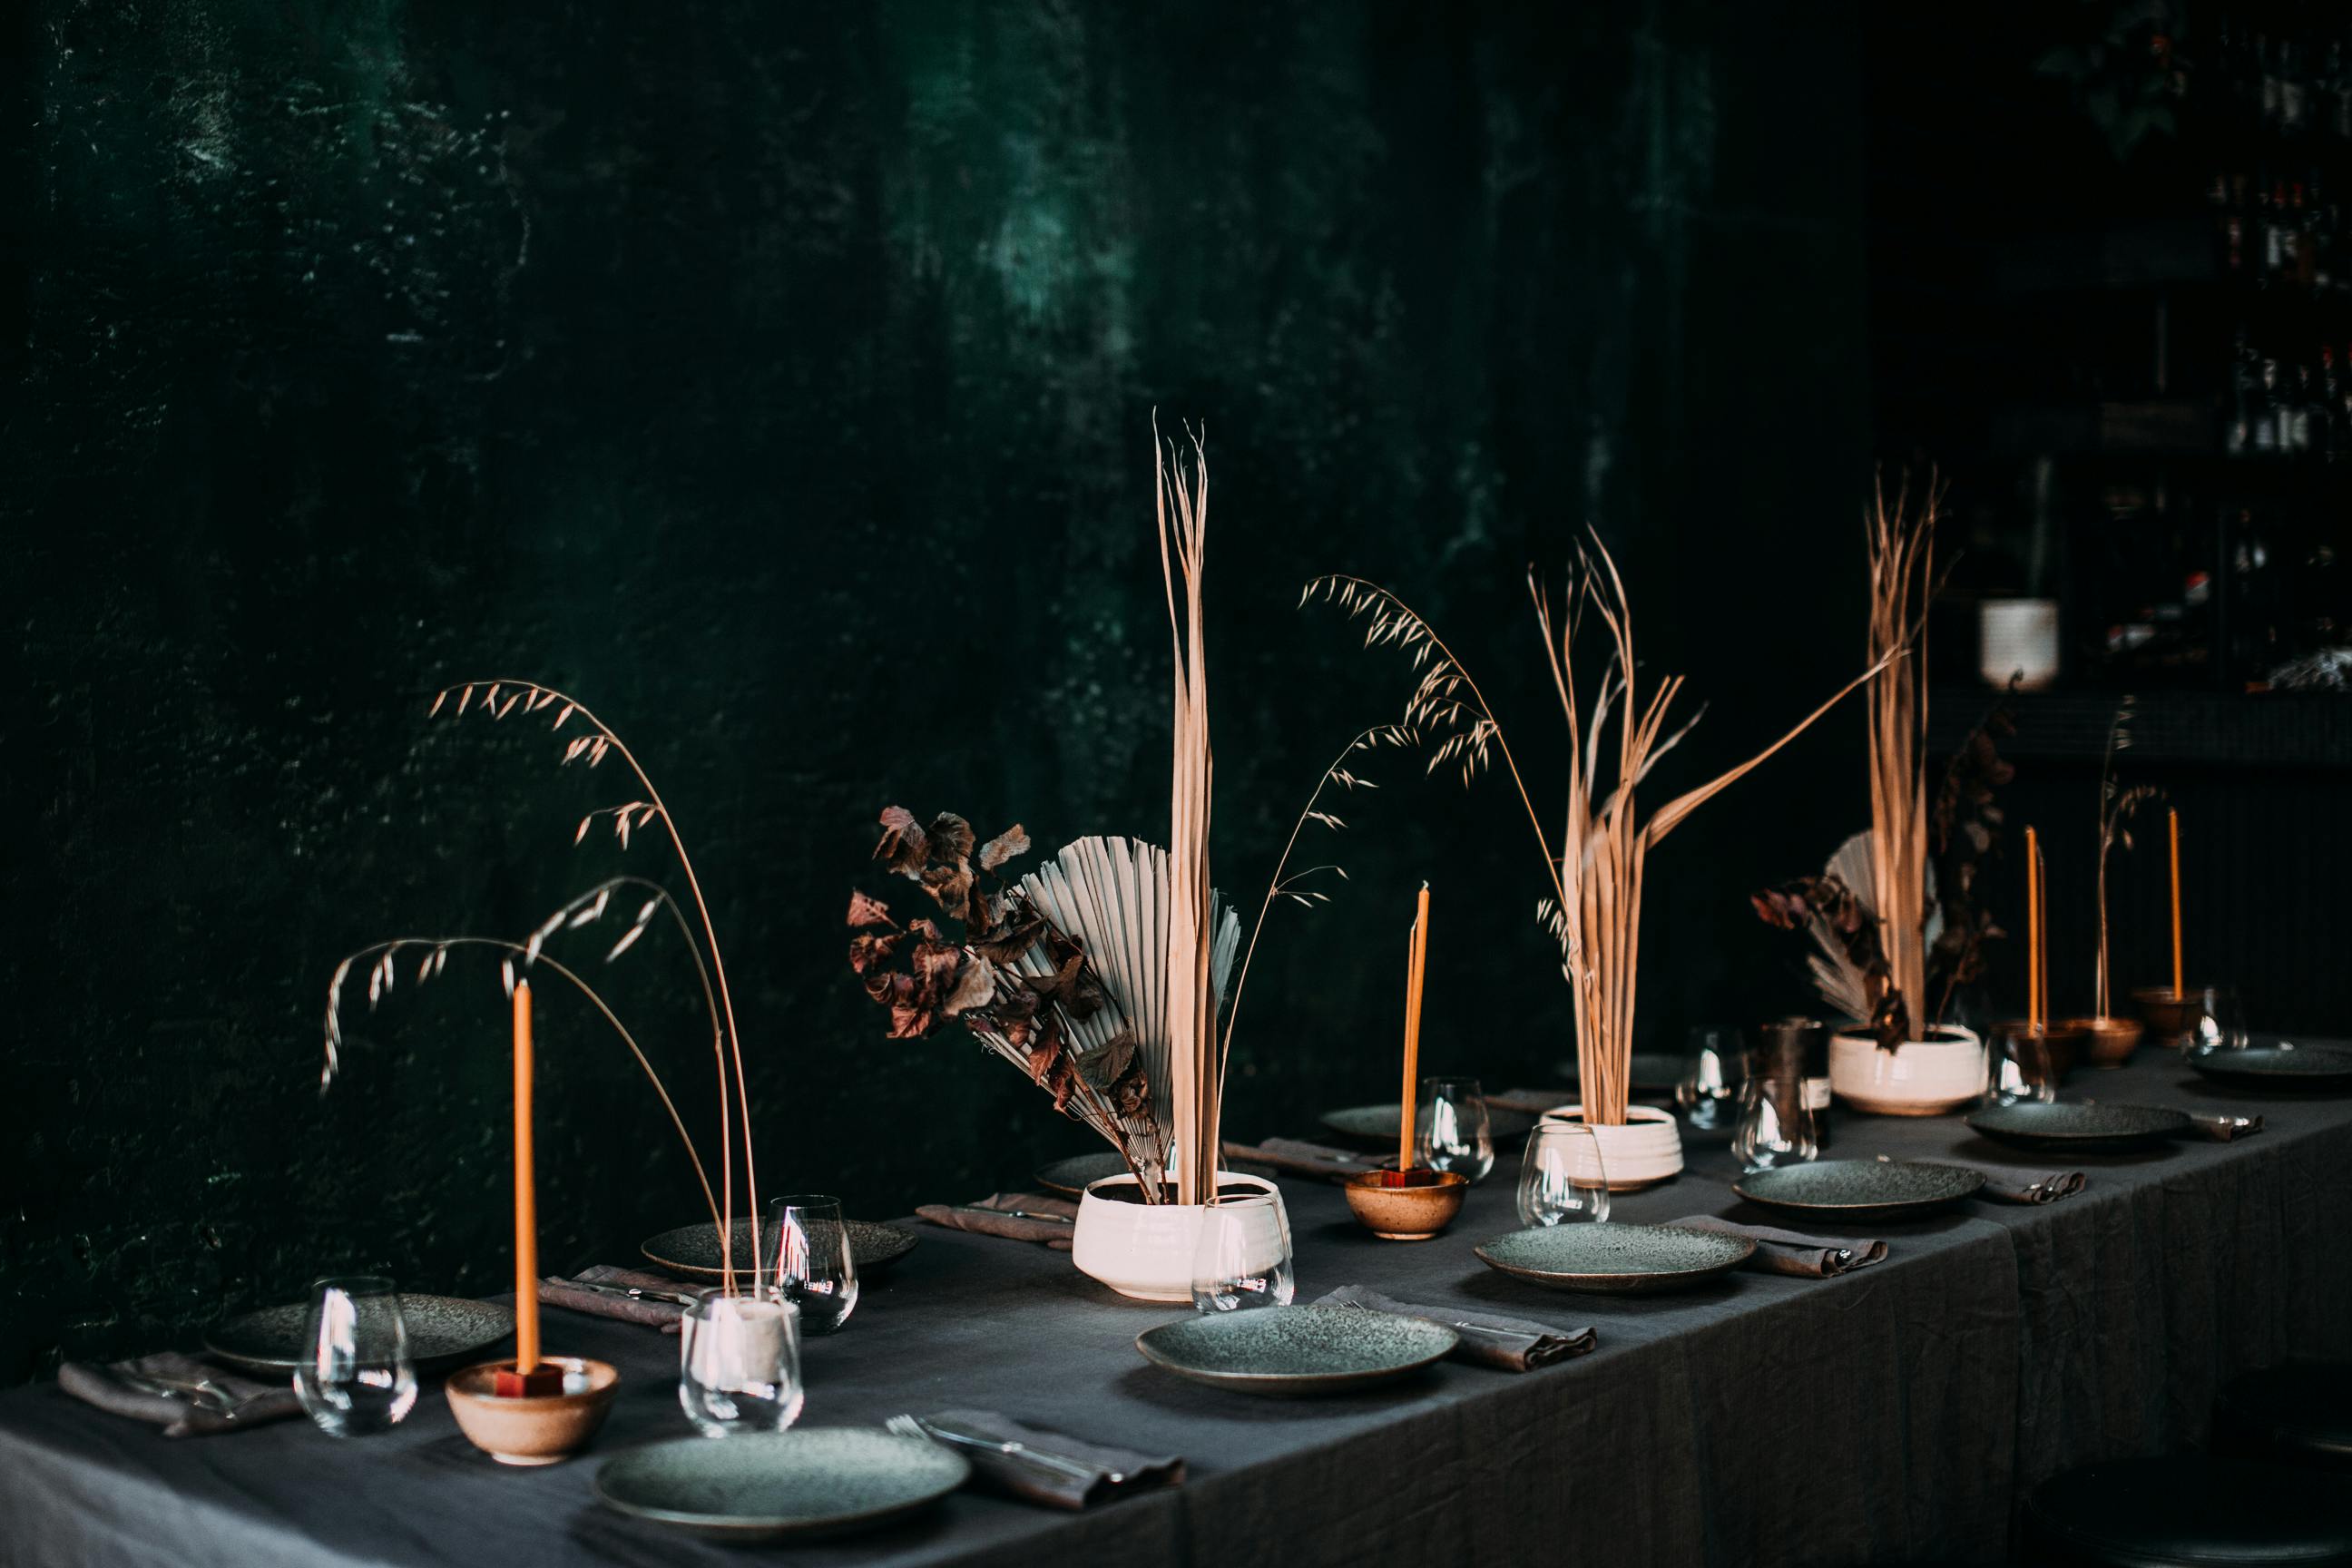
[[1776, 1125], [1560, 1178], [355, 1378], [2221, 1023], [1709, 1093], [738, 1360], [1242, 1257], [2020, 1067], [810, 1264], [1451, 1131]]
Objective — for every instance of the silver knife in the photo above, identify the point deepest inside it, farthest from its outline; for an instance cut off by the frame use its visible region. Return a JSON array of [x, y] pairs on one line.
[[204, 1397], [631, 1292], [1013, 1214]]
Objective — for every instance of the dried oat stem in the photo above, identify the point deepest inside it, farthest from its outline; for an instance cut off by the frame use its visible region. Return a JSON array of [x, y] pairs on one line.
[[500, 697], [1902, 550]]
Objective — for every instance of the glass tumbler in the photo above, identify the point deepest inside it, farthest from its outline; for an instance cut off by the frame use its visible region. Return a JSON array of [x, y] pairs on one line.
[[1560, 1178], [1708, 1094], [809, 1260], [2221, 1024], [738, 1360], [1242, 1257], [1451, 1130], [1776, 1125], [355, 1377]]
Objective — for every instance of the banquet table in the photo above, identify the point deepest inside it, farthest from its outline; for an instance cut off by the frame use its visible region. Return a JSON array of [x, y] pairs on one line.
[[1892, 1413]]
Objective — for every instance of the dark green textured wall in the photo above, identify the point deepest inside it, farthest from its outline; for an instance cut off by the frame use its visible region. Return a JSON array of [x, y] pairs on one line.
[[779, 379]]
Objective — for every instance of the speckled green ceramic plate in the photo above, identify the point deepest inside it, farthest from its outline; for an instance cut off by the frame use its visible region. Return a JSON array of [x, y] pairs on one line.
[[1070, 1176], [767, 1486], [1655, 1073], [691, 1251], [2078, 1125], [1859, 1189], [1296, 1350], [1616, 1259], [1378, 1123], [443, 1331], [2282, 1065]]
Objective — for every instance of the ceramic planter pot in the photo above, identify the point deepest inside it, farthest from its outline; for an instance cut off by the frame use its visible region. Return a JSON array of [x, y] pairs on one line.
[[1919, 1078], [1139, 1249], [1645, 1152]]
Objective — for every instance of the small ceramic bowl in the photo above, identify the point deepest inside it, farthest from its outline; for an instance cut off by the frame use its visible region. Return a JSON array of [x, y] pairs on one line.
[[2062, 1038], [2106, 1042], [2171, 1020], [536, 1430], [1408, 1205]]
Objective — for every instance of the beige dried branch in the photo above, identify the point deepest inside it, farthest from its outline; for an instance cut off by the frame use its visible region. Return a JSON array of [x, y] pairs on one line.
[[1903, 581], [500, 697], [1195, 1086]]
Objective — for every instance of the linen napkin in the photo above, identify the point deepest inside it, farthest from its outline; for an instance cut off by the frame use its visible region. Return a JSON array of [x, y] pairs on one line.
[[2222, 1128], [1300, 1158], [1513, 1344], [110, 1387], [1012, 1227], [1794, 1252], [663, 1315], [2004, 1185], [1041, 1482]]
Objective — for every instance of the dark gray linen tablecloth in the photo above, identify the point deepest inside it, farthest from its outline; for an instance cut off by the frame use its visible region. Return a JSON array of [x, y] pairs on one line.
[[1894, 1413]]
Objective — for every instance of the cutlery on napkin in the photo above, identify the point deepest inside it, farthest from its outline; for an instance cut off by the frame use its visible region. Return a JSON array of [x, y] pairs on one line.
[[1513, 1344], [1053, 1469], [629, 1295], [1794, 1252], [2221, 1127], [1016, 1216], [1300, 1158], [185, 1396], [2004, 1185]]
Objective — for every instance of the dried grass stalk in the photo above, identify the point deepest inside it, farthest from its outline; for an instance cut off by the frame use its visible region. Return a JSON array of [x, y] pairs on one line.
[[1194, 1082], [1902, 581]]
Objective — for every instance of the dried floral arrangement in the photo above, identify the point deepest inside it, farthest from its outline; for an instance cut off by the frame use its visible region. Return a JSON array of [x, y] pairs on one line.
[[1102, 974], [1890, 920], [2118, 803], [1595, 870], [591, 742]]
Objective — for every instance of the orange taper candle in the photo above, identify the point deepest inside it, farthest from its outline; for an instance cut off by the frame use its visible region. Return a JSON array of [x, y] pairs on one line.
[[1416, 960], [525, 1203], [2032, 932], [2173, 814]]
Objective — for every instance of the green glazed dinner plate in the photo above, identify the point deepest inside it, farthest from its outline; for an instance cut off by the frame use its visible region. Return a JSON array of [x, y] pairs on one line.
[[2078, 1125], [1616, 1259], [2282, 1065], [1860, 1189], [1296, 1350], [443, 1331], [691, 1251], [770, 1486], [1378, 1123]]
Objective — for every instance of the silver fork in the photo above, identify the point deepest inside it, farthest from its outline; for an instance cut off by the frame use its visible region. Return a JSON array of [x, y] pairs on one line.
[[204, 1393], [913, 1426]]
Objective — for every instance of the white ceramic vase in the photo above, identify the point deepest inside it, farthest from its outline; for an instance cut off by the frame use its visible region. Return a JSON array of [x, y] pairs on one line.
[[1139, 1250], [1918, 1078], [1645, 1151]]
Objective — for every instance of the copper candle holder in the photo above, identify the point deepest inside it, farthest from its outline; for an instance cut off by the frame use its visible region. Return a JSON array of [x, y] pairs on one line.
[[2172, 1019], [2106, 1043], [2061, 1040], [536, 1428], [1406, 1205]]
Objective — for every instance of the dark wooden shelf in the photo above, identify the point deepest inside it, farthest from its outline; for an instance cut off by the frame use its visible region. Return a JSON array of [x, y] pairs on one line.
[[2267, 729]]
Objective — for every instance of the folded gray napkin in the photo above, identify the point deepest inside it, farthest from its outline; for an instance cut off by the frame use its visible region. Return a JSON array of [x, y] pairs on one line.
[[1301, 1158], [1794, 1252], [2222, 1128], [1010, 1225], [1513, 1344], [2004, 1185], [653, 1314], [1103, 1472], [219, 1401]]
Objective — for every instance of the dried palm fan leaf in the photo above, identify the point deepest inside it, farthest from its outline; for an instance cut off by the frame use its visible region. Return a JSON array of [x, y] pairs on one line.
[[1902, 547], [1113, 895]]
